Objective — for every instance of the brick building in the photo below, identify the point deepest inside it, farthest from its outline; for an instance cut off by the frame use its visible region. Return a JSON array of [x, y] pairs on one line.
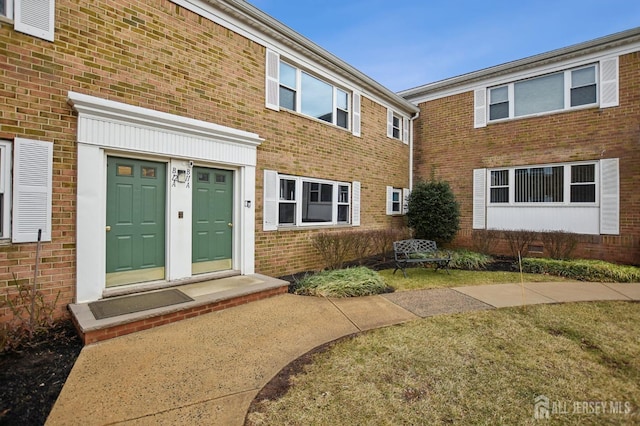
[[546, 143], [157, 141]]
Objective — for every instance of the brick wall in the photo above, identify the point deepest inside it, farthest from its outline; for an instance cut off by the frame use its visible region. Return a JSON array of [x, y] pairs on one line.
[[157, 55], [448, 146]]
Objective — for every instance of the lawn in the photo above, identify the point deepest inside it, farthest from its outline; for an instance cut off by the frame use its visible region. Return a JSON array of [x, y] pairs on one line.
[[482, 367], [421, 278]]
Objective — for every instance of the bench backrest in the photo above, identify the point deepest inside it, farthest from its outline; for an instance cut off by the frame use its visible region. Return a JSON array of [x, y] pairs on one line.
[[414, 246]]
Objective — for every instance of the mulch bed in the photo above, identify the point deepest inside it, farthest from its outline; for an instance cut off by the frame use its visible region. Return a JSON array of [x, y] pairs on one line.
[[32, 375]]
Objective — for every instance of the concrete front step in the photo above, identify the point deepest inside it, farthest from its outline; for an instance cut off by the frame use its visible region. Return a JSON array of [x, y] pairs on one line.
[[208, 296]]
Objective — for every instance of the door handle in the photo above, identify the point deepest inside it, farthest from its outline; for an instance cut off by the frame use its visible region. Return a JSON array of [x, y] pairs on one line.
[[230, 225], [108, 228]]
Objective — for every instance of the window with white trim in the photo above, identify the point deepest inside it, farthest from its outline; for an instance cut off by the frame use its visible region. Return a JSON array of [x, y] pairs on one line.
[[5, 189], [397, 126], [548, 93], [6, 8], [553, 184], [306, 201], [397, 200], [309, 95]]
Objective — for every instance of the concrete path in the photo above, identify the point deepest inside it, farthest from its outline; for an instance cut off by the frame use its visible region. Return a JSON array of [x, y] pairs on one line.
[[208, 369]]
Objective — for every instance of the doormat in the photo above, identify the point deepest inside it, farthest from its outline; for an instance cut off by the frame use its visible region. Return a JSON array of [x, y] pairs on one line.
[[140, 302]]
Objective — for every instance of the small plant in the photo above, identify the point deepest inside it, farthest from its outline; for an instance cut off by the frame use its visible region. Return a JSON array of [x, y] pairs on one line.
[[382, 240], [485, 240], [519, 241], [559, 244], [350, 282], [31, 314], [469, 260], [583, 270], [334, 248]]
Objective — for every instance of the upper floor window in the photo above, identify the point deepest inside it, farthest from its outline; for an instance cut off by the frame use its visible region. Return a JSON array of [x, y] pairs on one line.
[[4, 8], [5, 188], [307, 94], [397, 126], [561, 184], [553, 92]]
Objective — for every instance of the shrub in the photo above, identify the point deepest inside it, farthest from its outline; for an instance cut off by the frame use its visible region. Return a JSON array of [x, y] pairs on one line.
[[582, 270], [485, 240], [382, 240], [350, 282], [433, 213], [519, 241], [559, 244], [469, 260], [334, 248]]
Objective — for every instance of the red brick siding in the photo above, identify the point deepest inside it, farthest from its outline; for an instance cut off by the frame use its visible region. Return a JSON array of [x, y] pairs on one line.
[[448, 145]]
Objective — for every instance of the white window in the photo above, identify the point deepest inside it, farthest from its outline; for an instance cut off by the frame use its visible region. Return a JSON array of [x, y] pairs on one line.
[[6, 8], [397, 199], [548, 93], [581, 197], [5, 189], [397, 126], [301, 201], [309, 95]]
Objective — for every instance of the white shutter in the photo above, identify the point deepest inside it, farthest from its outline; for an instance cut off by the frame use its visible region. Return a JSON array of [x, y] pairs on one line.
[[271, 196], [405, 200], [389, 123], [609, 197], [609, 82], [389, 200], [32, 186], [272, 90], [480, 108], [35, 17], [479, 198], [355, 203], [405, 130], [357, 106]]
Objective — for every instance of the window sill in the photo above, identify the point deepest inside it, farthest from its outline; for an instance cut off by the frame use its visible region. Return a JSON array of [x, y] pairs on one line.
[[543, 114], [313, 227], [317, 120], [4, 19]]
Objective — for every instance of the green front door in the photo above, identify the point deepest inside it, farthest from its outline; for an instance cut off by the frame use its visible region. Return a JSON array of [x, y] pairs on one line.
[[212, 220], [136, 192]]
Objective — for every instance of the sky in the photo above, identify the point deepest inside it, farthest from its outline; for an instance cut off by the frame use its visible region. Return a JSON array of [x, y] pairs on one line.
[[406, 44]]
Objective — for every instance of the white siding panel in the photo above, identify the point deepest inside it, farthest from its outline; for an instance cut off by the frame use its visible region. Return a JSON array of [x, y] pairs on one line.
[[609, 197], [272, 90], [609, 82], [480, 108], [357, 114], [270, 210], [355, 203], [479, 198], [581, 220]]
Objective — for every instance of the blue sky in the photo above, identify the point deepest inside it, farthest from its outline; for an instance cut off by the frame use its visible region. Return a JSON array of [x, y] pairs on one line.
[[404, 44]]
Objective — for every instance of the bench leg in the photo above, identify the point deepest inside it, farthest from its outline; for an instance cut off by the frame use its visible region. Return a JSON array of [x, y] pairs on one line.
[[402, 268]]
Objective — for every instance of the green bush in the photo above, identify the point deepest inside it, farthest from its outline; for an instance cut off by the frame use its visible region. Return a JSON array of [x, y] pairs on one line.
[[433, 212], [582, 270], [469, 260], [350, 282]]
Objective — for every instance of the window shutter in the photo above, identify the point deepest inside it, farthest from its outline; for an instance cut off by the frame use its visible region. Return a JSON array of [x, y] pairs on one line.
[[479, 198], [357, 105], [273, 81], [389, 200], [355, 203], [389, 123], [32, 186], [405, 130], [480, 108], [270, 213], [609, 197], [35, 17], [405, 198], [609, 82]]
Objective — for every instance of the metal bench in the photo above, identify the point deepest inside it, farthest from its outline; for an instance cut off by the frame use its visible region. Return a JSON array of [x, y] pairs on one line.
[[418, 251]]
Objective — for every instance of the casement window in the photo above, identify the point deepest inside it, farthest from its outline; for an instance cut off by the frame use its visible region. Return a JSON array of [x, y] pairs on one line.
[[581, 87], [580, 197], [397, 200], [397, 126], [300, 201], [291, 88], [33, 17], [25, 190], [309, 95]]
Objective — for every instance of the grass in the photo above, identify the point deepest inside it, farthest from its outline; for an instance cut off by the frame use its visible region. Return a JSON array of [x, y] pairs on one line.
[[423, 278], [475, 368]]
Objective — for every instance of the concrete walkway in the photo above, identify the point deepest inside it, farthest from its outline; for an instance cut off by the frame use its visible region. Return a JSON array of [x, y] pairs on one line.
[[208, 369]]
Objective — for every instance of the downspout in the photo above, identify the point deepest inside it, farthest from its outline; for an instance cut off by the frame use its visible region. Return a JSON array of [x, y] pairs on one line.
[[411, 133]]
